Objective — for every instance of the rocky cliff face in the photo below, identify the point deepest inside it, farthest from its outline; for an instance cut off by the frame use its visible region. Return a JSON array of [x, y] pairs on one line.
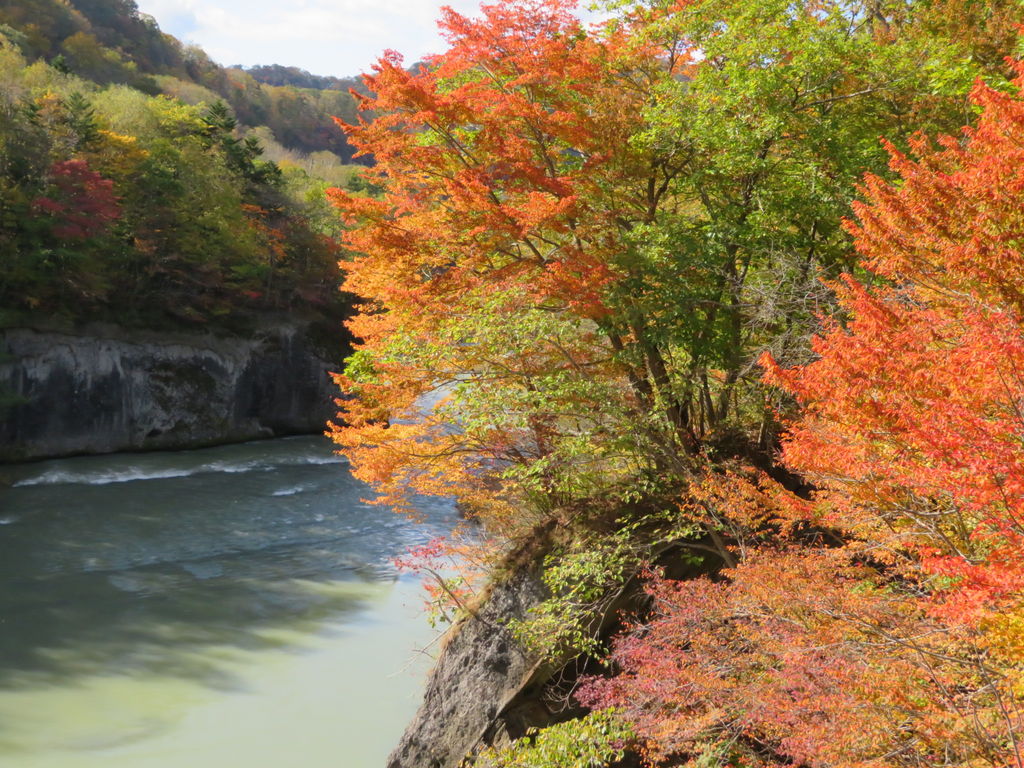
[[478, 688], [487, 689], [107, 390]]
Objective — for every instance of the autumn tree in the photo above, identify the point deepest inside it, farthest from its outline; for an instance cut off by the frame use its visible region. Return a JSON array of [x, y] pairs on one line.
[[912, 411], [484, 258], [586, 236], [877, 622], [82, 203]]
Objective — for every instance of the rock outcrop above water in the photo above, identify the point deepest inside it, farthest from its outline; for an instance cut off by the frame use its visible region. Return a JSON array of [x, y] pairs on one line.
[[482, 680], [487, 689], [106, 389]]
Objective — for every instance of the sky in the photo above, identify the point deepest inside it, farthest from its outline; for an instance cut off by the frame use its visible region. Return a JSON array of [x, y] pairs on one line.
[[325, 37]]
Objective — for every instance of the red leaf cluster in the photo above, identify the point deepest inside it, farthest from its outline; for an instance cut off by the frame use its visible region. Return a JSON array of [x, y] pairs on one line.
[[82, 204]]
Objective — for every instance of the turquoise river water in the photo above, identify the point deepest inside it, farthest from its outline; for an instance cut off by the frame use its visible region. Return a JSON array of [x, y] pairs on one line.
[[217, 608]]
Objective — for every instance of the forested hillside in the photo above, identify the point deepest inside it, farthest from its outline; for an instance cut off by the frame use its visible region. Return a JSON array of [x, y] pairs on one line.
[[141, 183], [728, 288], [109, 41]]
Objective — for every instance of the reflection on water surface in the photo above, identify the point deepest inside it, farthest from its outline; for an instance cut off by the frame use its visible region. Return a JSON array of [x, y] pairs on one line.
[[230, 606]]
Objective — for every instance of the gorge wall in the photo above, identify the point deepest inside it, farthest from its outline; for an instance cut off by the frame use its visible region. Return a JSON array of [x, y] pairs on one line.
[[105, 389], [483, 687], [488, 689]]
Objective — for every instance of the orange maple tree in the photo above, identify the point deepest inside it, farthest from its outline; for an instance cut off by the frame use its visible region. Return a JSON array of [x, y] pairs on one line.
[[509, 181], [912, 413]]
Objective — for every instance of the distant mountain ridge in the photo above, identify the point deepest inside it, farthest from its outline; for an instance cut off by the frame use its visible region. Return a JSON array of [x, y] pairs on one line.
[[278, 74]]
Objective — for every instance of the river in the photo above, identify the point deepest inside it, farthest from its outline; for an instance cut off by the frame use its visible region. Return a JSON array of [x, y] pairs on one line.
[[232, 606]]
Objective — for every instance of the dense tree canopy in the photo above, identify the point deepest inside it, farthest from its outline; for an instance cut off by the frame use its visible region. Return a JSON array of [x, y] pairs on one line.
[[275, 74], [122, 206], [588, 236], [585, 242], [899, 642]]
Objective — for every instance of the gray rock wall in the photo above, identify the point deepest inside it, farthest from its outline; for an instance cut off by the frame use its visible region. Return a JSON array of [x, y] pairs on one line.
[[107, 390], [474, 692], [487, 689]]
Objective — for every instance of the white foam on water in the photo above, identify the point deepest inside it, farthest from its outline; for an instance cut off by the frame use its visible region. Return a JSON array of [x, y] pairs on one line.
[[320, 460], [64, 477], [232, 468], [129, 475], [289, 491]]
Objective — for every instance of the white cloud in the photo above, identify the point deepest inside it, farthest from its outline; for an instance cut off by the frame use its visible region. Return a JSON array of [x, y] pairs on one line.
[[330, 37]]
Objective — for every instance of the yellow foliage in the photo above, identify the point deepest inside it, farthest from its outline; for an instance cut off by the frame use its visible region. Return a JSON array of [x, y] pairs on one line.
[[117, 155]]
